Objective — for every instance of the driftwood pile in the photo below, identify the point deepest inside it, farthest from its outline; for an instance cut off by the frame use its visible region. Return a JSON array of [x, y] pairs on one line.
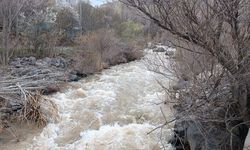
[[22, 97]]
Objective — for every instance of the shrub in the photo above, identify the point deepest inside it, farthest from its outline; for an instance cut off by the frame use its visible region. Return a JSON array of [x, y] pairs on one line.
[[96, 48], [134, 55], [101, 48]]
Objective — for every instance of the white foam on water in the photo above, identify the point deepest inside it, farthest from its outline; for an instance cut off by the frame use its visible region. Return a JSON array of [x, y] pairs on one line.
[[111, 111]]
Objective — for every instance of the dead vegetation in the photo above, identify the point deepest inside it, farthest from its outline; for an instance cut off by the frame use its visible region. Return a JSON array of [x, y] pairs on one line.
[[212, 67], [21, 100], [101, 49]]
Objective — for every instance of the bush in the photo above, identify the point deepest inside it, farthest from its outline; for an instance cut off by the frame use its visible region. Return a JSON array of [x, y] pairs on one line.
[[96, 48], [134, 55], [102, 48]]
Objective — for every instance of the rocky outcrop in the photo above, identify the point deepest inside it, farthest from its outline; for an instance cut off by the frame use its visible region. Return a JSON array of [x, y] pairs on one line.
[[196, 135]]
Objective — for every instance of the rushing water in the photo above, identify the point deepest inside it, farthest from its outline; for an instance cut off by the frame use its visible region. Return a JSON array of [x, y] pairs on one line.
[[113, 110]]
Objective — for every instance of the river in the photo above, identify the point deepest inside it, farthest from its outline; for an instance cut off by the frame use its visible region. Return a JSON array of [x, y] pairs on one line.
[[113, 110]]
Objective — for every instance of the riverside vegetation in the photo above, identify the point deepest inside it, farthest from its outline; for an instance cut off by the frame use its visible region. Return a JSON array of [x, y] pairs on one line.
[[211, 95], [46, 43]]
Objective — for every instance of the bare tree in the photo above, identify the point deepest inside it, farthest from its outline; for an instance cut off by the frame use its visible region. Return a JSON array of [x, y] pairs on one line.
[[219, 29], [10, 11], [86, 16]]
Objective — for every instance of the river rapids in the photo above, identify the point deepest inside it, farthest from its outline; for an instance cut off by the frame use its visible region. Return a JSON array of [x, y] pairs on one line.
[[113, 110]]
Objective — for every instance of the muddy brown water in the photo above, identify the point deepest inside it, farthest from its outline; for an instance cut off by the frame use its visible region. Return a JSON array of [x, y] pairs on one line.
[[113, 110]]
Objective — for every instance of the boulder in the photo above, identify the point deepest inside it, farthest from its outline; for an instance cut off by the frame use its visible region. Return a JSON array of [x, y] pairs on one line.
[[73, 78], [76, 75], [196, 135], [80, 74]]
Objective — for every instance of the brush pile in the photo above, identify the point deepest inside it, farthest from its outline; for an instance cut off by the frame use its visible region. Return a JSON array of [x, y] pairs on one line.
[[21, 99]]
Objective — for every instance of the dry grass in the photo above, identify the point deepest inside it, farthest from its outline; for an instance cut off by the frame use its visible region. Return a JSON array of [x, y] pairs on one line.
[[39, 110]]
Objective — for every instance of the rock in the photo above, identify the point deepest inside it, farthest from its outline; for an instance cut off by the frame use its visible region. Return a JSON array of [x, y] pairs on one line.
[[50, 90], [22, 62], [45, 62], [169, 53], [197, 135], [73, 78], [159, 49], [80, 74], [58, 62], [76, 75], [151, 46], [32, 60], [54, 62], [179, 141], [16, 107], [16, 63]]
